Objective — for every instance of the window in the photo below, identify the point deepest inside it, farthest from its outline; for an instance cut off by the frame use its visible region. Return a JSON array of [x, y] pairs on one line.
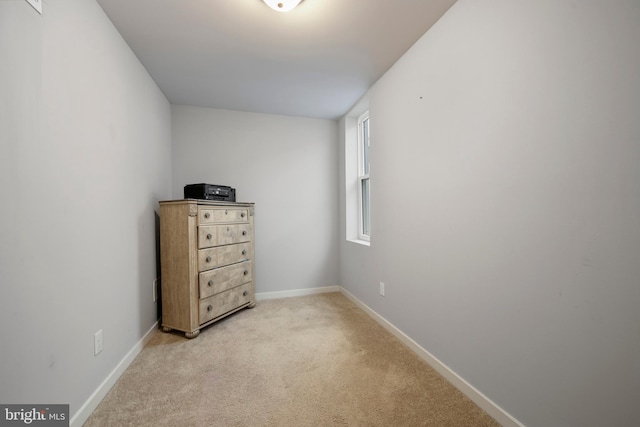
[[357, 188], [364, 187]]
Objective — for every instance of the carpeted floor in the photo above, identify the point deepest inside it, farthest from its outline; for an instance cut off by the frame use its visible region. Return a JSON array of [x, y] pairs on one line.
[[305, 361]]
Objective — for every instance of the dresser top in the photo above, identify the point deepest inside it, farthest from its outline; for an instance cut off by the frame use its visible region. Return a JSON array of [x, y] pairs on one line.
[[205, 202]]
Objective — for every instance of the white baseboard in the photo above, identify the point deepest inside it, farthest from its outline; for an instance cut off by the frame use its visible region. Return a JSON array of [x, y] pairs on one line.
[[496, 412], [94, 400], [296, 293]]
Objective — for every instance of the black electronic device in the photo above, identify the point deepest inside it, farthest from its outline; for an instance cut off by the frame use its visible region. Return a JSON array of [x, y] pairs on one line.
[[210, 192]]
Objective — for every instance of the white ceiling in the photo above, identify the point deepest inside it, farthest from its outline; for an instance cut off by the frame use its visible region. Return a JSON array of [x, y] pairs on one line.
[[315, 61]]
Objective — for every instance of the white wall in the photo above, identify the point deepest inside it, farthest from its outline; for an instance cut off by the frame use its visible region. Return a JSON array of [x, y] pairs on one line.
[[85, 151], [505, 165], [288, 167]]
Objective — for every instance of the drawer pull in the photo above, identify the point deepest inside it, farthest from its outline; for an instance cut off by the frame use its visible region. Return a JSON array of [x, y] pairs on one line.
[[244, 232], [209, 307], [246, 272], [210, 283], [242, 215], [209, 236], [244, 294], [208, 259], [207, 215], [244, 252], [226, 212]]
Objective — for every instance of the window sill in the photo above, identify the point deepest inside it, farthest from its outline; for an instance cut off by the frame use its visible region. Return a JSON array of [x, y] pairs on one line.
[[360, 242]]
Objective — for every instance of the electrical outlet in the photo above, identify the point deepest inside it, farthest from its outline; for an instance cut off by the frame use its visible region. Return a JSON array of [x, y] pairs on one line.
[[155, 289], [382, 288], [97, 342]]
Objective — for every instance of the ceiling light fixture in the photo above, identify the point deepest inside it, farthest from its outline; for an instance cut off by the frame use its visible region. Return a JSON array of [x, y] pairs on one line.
[[282, 5]]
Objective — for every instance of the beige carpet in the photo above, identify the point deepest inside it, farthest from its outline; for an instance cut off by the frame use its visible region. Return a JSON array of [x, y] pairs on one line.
[[306, 361]]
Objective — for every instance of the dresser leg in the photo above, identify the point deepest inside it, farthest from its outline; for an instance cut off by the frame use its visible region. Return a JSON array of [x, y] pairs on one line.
[[166, 329], [253, 304], [192, 334]]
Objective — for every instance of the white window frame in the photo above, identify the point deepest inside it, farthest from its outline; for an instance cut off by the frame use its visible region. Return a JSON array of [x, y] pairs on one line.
[[364, 175]]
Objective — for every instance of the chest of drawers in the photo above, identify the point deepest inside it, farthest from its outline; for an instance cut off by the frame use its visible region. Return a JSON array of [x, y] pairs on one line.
[[207, 262]]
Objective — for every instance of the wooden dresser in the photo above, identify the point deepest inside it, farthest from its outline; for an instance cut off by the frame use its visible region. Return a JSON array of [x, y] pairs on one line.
[[207, 266]]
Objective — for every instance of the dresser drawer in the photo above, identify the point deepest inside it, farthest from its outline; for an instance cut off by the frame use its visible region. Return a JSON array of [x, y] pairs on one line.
[[215, 235], [224, 302], [224, 255], [211, 215], [220, 279]]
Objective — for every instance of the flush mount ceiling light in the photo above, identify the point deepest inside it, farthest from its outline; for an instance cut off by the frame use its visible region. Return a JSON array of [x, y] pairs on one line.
[[282, 5]]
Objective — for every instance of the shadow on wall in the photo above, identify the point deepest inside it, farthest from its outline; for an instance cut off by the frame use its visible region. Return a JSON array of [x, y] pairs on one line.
[[148, 230], [156, 218]]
